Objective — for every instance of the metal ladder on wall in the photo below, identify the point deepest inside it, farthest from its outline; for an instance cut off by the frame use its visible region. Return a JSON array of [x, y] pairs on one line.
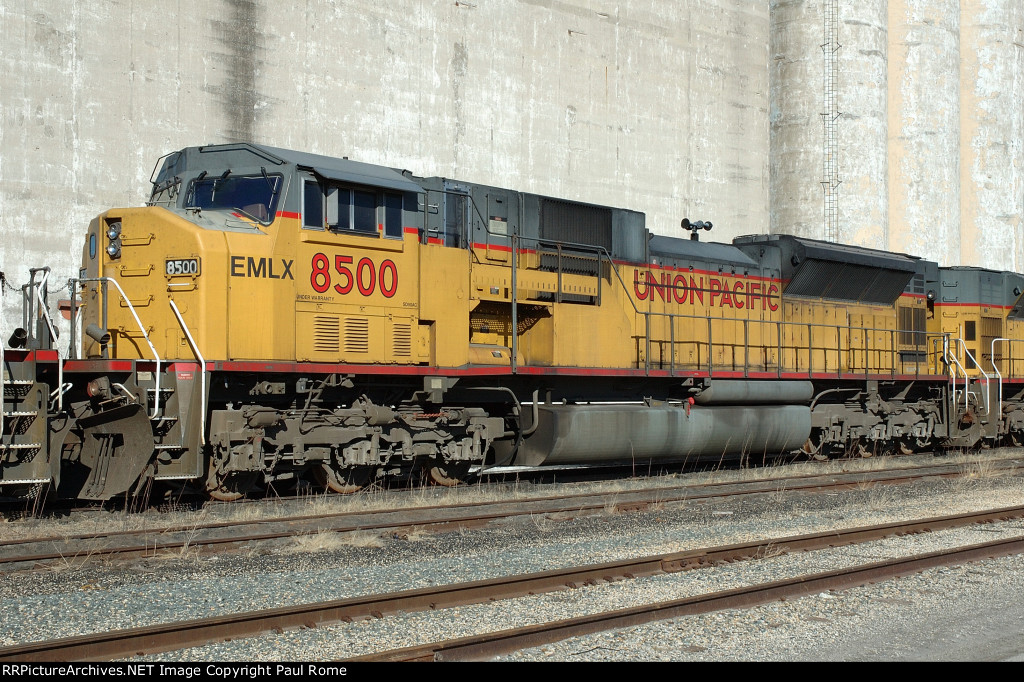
[[829, 118]]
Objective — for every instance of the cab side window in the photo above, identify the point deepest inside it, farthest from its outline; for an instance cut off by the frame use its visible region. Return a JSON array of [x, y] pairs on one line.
[[364, 211], [313, 205], [346, 209], [393, 216]]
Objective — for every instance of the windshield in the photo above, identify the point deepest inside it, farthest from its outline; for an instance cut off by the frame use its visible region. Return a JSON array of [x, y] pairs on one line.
[[255, 196]]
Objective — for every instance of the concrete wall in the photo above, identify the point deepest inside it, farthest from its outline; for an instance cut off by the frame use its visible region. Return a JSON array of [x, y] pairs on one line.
[[930, 132], [658, 105], [862, 127], [992, 131], [924, 136], [795, 101]]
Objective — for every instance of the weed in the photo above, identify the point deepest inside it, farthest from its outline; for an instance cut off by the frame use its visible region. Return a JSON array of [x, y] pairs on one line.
[[979, 467], [880, 499], [541, 523], [770, 551], [325, 540]]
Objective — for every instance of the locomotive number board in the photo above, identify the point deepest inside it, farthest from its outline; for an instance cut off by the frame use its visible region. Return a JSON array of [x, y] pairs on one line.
[[182, 266]]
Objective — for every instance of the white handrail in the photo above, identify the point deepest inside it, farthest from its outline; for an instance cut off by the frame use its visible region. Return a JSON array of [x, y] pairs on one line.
[[36, 289], [967, 378], [131, 308], [952, 369], [202, 375], [53, 335], [992, 360]]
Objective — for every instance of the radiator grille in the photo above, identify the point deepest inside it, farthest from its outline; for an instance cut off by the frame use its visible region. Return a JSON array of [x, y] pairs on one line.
[[848, 282], [565, 221]]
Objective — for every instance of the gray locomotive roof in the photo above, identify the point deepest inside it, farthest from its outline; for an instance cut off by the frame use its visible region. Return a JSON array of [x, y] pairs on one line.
[[333, 168], [828, 251], [819, 269], [691, 248]]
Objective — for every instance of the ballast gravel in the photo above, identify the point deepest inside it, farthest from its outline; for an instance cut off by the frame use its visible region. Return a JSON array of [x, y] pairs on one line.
[[969, 612]]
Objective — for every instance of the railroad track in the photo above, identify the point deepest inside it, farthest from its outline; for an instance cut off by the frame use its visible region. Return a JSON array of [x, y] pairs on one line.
[[488, 645], [226, 535], [176, 636]]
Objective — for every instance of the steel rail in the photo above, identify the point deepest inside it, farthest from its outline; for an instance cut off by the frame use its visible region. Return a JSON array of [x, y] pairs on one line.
[[464, 515], [487, 646], [176, 636]]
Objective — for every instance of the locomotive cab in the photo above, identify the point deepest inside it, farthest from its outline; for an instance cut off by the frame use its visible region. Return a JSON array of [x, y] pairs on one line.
[[243, 220], [981, 311]]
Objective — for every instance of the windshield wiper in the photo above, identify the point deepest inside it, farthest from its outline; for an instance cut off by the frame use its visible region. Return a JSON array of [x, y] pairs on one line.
[[271, 185]]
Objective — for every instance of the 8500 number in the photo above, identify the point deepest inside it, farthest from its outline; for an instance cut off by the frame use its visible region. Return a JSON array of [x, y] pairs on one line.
[[365, 276], [182, 266]]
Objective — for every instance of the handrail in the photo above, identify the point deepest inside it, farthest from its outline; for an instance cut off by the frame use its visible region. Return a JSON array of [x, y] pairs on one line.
[[967, 379], [952, 356], [999, 376], [131, 308], [514, 237], [42, 304], [514, 329], [777, 327], [202, 374], [53, 332], [601, 253]]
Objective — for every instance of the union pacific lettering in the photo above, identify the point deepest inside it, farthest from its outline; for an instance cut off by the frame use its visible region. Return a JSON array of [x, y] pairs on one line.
[[705, 290]]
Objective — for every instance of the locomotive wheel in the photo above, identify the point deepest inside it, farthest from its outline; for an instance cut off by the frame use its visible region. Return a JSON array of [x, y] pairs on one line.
[[345, 480], [449, 474], [862, 448], [908, 445], [814, 448], [230, 487]]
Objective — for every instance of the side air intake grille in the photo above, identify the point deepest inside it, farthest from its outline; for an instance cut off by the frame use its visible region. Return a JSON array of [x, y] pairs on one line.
[[326, 334], [401, 341], [357, 335]]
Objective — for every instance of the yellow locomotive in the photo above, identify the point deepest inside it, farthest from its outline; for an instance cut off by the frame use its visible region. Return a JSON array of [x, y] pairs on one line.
[[272, 316]]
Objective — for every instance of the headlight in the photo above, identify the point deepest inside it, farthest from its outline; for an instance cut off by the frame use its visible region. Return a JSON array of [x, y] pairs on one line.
[[114, 235]]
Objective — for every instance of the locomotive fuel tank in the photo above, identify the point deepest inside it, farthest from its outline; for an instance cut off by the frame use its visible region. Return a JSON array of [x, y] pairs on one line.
[[736, 392], [576, 434]]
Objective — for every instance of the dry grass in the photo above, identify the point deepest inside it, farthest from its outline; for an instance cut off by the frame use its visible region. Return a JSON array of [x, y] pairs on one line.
[[865, 486], [72, 562], [770, 551], [780, 495], [881, 499], [976, 467], [325, 540], [979, 467], [541, 522]]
